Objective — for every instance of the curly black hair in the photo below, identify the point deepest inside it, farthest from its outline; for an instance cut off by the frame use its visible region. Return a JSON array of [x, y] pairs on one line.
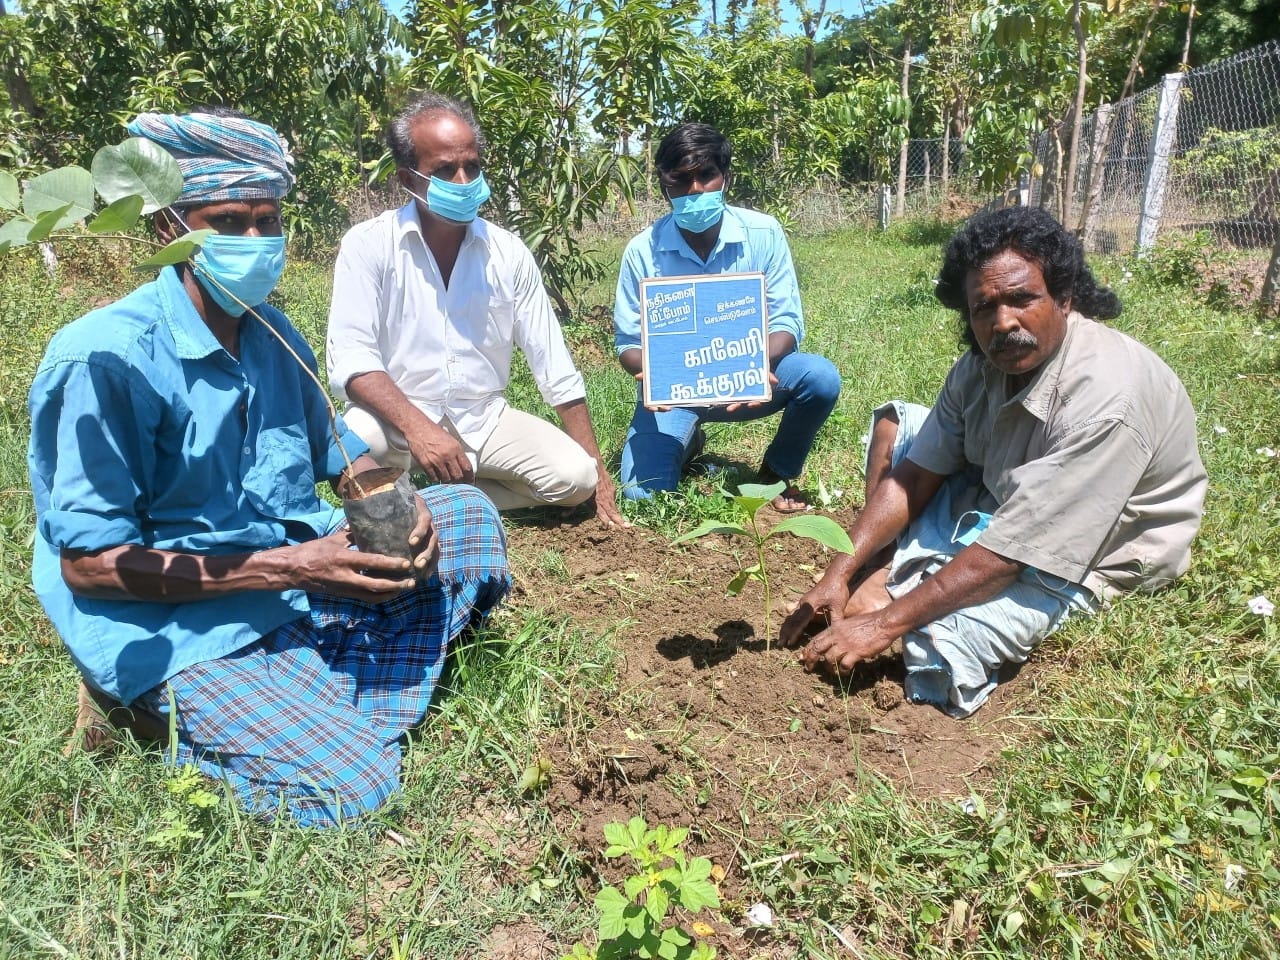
[[1036, 235]]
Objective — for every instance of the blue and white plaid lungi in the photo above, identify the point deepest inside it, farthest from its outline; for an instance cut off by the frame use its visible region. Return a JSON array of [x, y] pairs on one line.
[[312, 713]]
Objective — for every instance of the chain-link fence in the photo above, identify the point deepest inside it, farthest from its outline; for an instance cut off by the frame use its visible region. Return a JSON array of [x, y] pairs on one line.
[[1201, 151]]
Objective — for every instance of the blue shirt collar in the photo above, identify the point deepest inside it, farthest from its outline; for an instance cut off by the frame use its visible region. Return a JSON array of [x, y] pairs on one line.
[[671, 240], [192, 337]]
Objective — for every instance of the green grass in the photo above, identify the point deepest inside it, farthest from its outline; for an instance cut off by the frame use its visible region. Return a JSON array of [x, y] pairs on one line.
[[1149, 765]]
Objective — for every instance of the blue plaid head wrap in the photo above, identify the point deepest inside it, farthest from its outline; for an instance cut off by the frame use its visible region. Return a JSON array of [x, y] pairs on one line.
[[221, 157]]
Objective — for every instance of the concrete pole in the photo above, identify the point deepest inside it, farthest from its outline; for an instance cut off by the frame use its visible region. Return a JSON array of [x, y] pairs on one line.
[[1162, 138], [886, 204]]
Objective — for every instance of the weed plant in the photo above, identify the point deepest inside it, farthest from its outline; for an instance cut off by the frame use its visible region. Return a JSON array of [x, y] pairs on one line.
[[1133, 815]]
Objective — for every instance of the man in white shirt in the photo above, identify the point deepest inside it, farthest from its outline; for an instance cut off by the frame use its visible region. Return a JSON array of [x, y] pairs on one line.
[[428, 301]]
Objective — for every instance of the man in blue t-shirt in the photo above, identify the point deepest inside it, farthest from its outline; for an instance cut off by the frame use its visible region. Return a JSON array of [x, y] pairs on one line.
[[704, 235], [181, 551]]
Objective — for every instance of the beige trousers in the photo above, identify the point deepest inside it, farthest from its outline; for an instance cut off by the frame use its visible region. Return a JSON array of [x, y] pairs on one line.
[[525, 462]]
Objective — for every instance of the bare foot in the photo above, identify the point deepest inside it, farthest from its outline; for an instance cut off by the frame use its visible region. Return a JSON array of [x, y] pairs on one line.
[[790, 500]]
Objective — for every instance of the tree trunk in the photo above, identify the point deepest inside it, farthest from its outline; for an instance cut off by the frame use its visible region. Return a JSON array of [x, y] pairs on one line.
[[1270, 300], [906, 129], [946, 154], [1186, 44], [811, 25], [1077, 113]]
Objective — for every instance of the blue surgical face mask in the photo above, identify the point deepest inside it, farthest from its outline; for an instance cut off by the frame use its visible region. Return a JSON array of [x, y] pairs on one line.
[[454, 201], [248, 267], [697, 212]]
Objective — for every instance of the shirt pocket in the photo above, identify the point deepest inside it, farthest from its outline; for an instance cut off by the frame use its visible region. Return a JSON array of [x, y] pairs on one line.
[[498, 311], [280, 480]]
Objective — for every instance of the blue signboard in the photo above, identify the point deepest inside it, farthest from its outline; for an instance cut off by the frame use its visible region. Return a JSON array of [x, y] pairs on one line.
[[704, 340]]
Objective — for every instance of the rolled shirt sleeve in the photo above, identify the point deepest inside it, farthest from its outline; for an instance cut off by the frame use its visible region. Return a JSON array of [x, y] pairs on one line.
[[352, 346], [1064, 506], [537, 333], [939, 445], [626, 301], [782, 289], [97, 459]]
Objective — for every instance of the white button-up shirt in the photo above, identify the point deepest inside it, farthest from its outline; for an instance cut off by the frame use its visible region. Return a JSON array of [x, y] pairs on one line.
[[447, 348]]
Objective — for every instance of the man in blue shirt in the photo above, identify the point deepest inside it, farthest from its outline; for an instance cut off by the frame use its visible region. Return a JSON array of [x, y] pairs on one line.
[[182, 553], [703, 235]]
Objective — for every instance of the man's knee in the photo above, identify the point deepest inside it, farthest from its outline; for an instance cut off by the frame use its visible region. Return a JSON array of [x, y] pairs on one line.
[[386, 445], [822, 381], [576, 480]]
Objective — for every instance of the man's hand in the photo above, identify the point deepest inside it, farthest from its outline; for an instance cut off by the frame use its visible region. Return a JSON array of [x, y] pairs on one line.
[[439, 454], [752, 404], [827, 599], [606, 497], [424, 541], [846, 641], [657, 407], [330, 566]]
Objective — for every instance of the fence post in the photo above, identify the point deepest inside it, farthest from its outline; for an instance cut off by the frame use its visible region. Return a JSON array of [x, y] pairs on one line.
[[1098, 151], [1270, 299], [886, 198], [1158, 161]]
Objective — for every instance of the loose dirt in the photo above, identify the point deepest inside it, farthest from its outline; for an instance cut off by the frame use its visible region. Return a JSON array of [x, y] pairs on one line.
[[708, 728]]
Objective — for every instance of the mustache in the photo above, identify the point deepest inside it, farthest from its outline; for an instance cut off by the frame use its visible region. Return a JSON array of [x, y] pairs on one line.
[[1021, 339]]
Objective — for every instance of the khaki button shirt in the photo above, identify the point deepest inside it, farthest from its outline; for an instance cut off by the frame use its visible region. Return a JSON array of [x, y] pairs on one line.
[[1093, 466]]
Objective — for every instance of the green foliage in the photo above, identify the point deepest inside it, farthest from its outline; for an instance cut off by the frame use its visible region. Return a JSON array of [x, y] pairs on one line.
[[637, 920], [750, 498], [133, 177], [1229, 170], [82, 68], [528, 69], [184, 817], [749, 88]]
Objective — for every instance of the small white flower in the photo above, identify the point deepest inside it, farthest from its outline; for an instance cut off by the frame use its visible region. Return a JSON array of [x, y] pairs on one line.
[[1219, 429], [760, 915], [1265, 451], [1261, 606], [1232, 876]]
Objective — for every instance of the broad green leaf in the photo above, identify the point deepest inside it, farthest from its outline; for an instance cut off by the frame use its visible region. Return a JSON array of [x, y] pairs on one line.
[[612, 906], [703, 951], [69, 189], [47, 222], [137, 167], [657, 903], [1114, 870], [15, 231], [699, 869], [636, 829], [741, 577], [635, 921], [175, 252], [616, 834], [822, 529], [10, 193], [708, 527], [118, 216], [634, 884], [749, 506], [1011, 924], [4, 247], [696, 894], [762, 491]]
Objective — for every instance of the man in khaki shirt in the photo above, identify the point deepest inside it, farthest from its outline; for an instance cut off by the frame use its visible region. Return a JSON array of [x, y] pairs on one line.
[[1058, 468]]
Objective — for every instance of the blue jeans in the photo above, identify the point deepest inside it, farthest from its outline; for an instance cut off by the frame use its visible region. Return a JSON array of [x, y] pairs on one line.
[[659, 444]]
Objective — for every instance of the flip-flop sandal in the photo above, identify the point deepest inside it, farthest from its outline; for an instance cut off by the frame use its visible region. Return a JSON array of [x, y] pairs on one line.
[[790, 500]]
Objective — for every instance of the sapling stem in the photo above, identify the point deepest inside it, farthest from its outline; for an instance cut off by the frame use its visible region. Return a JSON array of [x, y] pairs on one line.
[[324, 394]]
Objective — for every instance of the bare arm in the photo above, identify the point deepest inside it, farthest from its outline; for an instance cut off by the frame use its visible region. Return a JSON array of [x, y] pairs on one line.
[[974, 576], [895, 501], [325, 565], [438, 453], [577, 424]]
